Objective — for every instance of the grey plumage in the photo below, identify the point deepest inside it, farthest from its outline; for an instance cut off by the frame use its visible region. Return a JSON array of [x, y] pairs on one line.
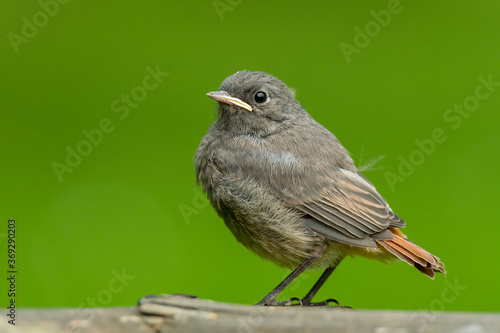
[[284, 185]]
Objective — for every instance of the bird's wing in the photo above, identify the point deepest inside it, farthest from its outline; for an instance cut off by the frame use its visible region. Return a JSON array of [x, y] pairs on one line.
[[351, 212]]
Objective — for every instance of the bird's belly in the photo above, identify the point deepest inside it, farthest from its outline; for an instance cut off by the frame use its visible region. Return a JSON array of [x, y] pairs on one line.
[[285, 246]]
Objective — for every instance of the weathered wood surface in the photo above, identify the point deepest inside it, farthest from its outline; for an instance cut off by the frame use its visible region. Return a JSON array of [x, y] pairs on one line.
[[173, 313]]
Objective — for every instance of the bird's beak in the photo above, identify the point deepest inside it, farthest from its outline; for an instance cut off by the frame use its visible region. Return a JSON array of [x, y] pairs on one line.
[[224, 97]]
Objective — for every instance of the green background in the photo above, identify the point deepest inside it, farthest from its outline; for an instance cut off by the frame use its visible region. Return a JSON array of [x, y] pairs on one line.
[[132, 203]]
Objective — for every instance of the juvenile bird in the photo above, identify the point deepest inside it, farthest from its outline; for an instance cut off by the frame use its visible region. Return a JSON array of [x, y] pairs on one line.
[[289, 191]]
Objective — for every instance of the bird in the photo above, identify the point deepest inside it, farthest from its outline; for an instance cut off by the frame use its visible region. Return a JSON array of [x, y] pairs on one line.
[[290, 192]]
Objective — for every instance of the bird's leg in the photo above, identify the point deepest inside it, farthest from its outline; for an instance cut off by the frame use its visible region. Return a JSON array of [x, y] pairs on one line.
[[270, 299], [306, 301]]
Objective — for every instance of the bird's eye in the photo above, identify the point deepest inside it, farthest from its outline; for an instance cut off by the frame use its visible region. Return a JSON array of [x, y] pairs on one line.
[[260, 97]]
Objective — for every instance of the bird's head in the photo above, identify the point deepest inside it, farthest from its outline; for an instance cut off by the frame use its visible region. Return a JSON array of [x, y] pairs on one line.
[[255, 103]]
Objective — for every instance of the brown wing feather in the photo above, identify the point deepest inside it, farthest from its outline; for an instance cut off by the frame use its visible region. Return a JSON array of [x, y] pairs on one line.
[[354, 213], [354, 208]]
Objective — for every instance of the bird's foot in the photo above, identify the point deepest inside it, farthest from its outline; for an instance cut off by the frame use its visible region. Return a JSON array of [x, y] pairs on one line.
[[295, 301], [274, 302], [323, 303]]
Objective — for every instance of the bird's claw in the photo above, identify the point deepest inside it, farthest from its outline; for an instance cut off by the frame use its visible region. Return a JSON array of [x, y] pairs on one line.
[[295, 301], [323, 303]]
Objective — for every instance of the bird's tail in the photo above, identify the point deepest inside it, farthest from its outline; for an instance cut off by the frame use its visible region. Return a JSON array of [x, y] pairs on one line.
[[414, 255]]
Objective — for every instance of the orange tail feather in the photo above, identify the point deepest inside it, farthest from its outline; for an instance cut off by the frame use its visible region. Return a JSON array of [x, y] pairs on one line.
[[414, 255]]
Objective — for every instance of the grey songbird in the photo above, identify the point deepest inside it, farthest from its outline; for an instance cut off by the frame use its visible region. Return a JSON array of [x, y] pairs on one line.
[[289, 191]]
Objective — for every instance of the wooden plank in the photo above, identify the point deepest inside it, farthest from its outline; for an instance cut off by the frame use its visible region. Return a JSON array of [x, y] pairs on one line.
[[178, 313]]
